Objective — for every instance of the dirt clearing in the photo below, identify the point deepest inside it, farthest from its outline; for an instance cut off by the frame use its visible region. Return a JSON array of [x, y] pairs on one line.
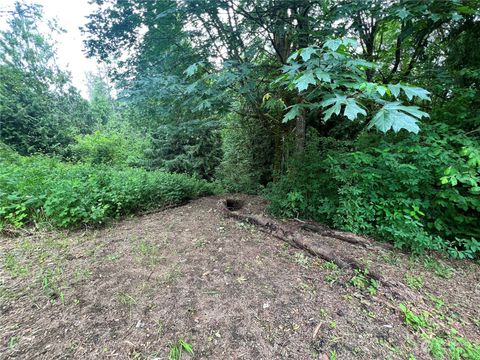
[[134, 289]]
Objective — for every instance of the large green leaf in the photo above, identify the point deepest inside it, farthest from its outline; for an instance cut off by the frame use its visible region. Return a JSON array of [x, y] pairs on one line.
[[307, 53], [333, 44], [394, 89], [403, 13], [395, 116], [337, 103], [352, 109], [303, 81], [292, 113], [335, 109], [293, 57], [323, 75], [412, 92], [191, 70], [291, 68]]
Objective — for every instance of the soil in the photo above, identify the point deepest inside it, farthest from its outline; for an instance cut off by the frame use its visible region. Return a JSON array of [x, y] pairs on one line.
[[133, 289]]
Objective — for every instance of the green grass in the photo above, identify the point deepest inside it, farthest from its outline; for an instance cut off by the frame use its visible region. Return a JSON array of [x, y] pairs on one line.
[[178, 349], [363, 281], [438, 268], [414, 282], [146, 253], [442, 344]]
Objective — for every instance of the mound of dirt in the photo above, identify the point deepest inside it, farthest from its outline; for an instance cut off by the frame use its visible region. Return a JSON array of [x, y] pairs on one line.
[[231, 290]]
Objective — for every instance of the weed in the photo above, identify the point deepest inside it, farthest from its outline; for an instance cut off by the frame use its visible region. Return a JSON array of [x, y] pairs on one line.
[[390, 199], [301, 259], [437, 267], [373, 286], [37, 188], [362, 281], [12, 342], [330, 265], [334, 273], [457, 347], [331, 278], [146, 253], [82, 274], [177, 349], [172, 275], [135, 355], [333, 355], [414, 320], [126, 299], [436, 348], [307, 287], [49, 285], [241, 279], [437, 301], [199, 244], [13, 266], [391, 258], [160, 327], [112, 257], [414, 282]]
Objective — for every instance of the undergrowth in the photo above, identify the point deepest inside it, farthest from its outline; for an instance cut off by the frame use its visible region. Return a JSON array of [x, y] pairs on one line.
[[421, 192], [38, 189], [444, 342]]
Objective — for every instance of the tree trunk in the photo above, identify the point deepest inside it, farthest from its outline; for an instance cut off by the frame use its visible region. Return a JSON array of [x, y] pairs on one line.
[[300, 129]]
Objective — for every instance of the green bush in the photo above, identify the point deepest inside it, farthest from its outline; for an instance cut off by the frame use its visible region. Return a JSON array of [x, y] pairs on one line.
[[39, 189], [108, 147], [421, 192], [190, 147], [247, 160]]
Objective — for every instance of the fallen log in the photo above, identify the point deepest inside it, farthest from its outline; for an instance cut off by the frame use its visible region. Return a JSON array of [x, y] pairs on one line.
[[339, 235], [230, 209]]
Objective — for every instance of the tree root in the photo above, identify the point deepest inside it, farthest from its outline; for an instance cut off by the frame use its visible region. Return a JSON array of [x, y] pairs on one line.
[[346, 237], [295, 239]]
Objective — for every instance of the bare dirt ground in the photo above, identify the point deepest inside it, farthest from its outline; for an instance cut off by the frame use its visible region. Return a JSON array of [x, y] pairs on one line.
[[133, 289]]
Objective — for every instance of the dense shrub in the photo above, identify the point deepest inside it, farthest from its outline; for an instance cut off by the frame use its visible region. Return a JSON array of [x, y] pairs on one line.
[[110, 148], [191, 147], [38, 189], [247, 160], [421, 192]]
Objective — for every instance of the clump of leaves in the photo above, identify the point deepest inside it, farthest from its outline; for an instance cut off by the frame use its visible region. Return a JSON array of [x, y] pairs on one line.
[[417, 321], [363, 281], [331, 79], [415, 282]]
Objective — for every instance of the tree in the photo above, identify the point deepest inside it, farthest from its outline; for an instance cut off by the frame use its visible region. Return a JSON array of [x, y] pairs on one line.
[[40, 111], [100, 97], [243, 47]]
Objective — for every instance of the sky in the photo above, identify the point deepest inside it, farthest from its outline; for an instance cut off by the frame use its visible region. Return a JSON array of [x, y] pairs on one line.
[[70, 15]]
